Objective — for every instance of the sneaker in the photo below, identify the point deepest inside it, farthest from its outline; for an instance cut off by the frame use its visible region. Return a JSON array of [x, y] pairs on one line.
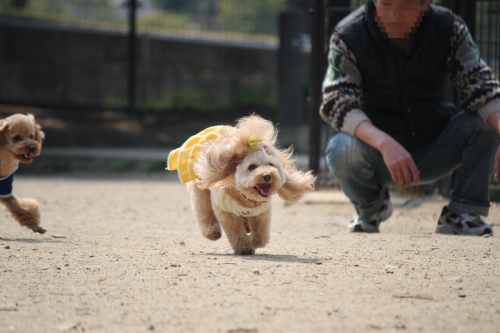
[[371, 225], [451, 223]]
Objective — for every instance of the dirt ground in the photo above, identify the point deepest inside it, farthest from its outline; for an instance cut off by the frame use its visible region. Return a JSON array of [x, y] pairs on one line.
[[126, 256]]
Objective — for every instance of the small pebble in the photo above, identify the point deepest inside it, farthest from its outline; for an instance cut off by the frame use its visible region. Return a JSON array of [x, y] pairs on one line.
[[182, 243], [7, 247], [461, 295]]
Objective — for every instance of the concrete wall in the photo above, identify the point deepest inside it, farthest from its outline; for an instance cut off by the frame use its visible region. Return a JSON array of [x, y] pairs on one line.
[[51, 65]]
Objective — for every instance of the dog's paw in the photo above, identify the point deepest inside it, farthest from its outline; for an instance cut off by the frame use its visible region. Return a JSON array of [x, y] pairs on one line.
[[213, 232], [214, 235], [245, 252], [39, 229]]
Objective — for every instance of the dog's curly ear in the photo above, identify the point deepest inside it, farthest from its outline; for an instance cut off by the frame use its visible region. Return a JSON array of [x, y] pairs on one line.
[[3, 127], [297, 184], [39, 134], [216, 163]]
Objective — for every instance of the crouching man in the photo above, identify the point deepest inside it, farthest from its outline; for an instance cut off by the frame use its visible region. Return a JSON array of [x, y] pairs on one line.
[[389, 64]]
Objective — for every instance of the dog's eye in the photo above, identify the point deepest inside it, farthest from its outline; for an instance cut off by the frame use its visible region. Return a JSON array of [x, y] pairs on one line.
[[32, 137], [252, 167], [17, 138], [271, 165]]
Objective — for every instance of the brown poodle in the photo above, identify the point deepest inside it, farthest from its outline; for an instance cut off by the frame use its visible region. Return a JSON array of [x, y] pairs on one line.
[[237, 174], [20, 140]]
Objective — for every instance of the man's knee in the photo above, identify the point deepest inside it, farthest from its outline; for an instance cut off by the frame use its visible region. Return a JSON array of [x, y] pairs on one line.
[[474, 124], [488, 131], [345, 154]]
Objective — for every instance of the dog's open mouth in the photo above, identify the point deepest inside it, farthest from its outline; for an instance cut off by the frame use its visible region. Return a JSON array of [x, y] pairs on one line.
[[26, 157], [264, 189]]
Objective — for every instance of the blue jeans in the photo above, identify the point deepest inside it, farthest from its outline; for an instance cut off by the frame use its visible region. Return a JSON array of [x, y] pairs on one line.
[[467, 143]]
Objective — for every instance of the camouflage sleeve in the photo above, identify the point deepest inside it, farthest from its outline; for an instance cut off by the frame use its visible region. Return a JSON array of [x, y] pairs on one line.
[[342, 105], [480, 91]]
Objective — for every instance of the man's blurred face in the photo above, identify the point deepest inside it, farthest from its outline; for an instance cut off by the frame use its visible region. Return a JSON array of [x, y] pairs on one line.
[[399, 18]]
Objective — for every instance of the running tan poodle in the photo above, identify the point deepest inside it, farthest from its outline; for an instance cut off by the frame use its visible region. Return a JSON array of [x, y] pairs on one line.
[[237, 173], [20, 140]]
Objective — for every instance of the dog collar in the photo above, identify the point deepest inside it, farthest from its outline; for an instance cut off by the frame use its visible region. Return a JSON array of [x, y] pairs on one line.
[[254, 201]]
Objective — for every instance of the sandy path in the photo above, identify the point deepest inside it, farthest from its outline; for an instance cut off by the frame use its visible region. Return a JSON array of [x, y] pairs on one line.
[[132, 260]]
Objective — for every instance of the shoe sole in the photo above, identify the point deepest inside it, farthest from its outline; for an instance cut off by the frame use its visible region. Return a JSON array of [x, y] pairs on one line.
[[388, 213], [445, 229], [368, 228], [363, 227]]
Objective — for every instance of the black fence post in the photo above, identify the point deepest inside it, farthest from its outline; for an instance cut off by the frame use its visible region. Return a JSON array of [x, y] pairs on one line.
[[290, 69], [318, 61], [466, 9], [337, 10], [132, 37]]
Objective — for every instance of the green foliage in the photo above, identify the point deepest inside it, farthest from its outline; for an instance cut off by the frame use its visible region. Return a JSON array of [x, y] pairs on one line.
[[254, 17], [176, 5], [121, 166], [164, 21], [156, 166], [67, 11], [222, 16], [251, 96], [194, 99], [63, 166], [197, 99], [115, 102]]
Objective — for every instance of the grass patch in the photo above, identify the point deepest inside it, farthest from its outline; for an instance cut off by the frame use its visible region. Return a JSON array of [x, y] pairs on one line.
[[164, 21], [123, 166], [156, 166], [60, 166], [420, 190]]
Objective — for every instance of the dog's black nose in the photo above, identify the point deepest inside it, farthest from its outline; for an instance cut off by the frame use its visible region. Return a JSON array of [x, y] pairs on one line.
[[32, 148], [266, 177]]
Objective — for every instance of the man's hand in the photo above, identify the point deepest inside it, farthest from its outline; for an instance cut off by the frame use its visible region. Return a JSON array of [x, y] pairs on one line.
[[398, 160], [494, 121], [400, 164], [496, 166]]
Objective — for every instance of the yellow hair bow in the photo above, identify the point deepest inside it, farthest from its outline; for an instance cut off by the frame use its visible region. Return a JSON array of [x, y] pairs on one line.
[[253, 143]]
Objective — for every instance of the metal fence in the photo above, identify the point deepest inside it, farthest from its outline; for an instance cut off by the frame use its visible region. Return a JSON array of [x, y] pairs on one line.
[[141, 54], [487, 33], [481, 17]]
